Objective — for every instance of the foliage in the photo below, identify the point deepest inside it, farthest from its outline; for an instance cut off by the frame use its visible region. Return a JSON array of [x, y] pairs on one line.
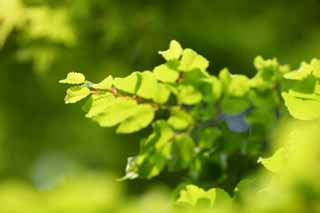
[[38, 134], [212, 129]]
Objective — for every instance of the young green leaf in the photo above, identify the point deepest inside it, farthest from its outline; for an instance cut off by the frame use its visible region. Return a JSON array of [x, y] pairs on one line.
[[277, 162], [163, 94], [191, 60], [188, 95], [303, 72], [192, 194], [99, 104], [127, 84], [173, 53], [315, 64], [141, 119], [119, 110], [148, 85], [73, 78], [165, 74], [302, 109], [239, 85], [105, 84], [155, 151], [76, 93], [179, 119]]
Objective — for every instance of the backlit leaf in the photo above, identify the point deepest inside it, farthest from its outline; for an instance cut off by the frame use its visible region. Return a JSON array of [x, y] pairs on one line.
[[173, 53], [73, 78], [302, 109], [76, 93], [276, 162], [179, 119], [192, 194], [148, 86], [127, 84], [188, 95], [141, 119], [303, 72], [191, 60], [105, 84], [119, 110], [165, 73]]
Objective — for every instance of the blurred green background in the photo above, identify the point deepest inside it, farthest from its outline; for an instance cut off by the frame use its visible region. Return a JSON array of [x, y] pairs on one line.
[[42, 140]]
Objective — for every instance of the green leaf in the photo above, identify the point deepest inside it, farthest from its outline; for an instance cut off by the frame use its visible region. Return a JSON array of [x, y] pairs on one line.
[[73, 78], [302, 109], [239, 85], [191, 60], [165, 73], [188, 95], [131, 169], [263, 64], [148, 86], [76, 93], [105, 84], [269, 70], [216, 87], [162, 133], [225, 77], [155, 151], [304, 96], [141, 119], [173, 53], [127, 84], [315, 64], [233, 106], [192, 194], [162, 95], [277, 162], [99, 104], [119, 110], [182, 152], [208, 137], [303, 72], [153, 162], [317, 88], [179, 119]]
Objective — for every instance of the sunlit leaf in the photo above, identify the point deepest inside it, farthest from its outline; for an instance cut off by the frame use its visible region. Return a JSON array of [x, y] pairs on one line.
[[76, 93], [74, 78], [303, 72], [105, 84], [191, 60], [173, 53], [277, 162], [127, 84], [192, 194], [165, 73], [179, 119], [239, 85], [315, 64], [302, 109], [99, 103], [141, 119], [118, 111], [148, 85], [188, 95]]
